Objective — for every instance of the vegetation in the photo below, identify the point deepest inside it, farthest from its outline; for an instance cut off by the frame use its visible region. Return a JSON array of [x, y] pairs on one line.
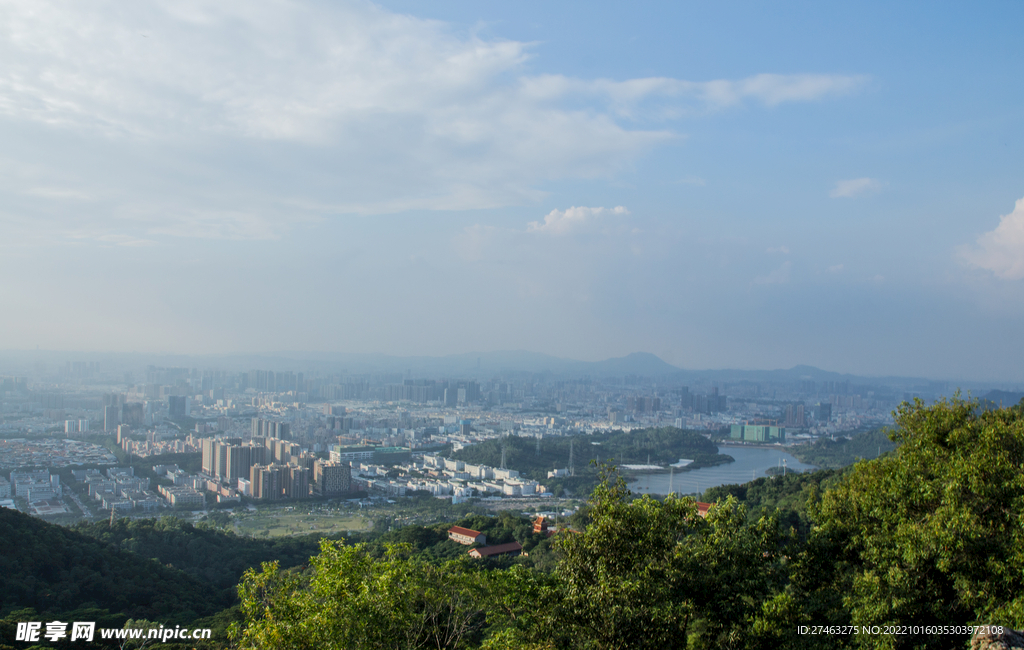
[[215, 557], [834, 454], [662, 445], [54, 569], [928, 534], [789, 494]]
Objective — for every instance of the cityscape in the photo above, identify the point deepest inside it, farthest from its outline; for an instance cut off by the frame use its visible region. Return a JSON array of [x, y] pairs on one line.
[[264, 436], [459, 325]]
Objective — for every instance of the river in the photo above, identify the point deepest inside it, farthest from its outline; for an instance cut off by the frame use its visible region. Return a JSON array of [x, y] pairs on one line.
[[751, 463]]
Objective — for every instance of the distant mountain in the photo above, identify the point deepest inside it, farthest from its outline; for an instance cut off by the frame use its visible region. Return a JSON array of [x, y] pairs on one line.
[[481, 365], [638, 363], [1001, 398], [470, 364]]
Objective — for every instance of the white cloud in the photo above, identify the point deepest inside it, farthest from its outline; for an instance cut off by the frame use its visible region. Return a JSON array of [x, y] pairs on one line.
[[837, 268], [778, 276], [774, 89], [1000, 251], [385, 112], [661, 97], [560, 222], [854, 187]]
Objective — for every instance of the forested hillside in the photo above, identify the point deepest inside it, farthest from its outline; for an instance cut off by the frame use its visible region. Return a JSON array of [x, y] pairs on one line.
[[834, 454], [216, 557], [789, 494], [928, 535], [54, 569]]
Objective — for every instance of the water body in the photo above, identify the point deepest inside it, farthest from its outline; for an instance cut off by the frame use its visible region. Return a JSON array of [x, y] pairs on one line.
[[751, 463]]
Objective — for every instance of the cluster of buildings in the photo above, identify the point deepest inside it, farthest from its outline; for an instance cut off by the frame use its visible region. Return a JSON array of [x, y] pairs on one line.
[[158, 441], [757, 433], [443, 477], [482, 478], [118, 489], [19, 452], [270, 468], [35, 485], [187, 491], [41, 489], [477, 539]]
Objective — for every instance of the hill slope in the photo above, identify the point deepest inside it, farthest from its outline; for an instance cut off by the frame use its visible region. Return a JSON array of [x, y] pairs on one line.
[[54, 569]]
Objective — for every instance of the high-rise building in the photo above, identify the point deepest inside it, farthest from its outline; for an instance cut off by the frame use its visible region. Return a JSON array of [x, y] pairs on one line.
[[133, 414], [268, 429], [265, 481], [331, 478], [218, 458], [179, 406], [209, 456], [823, 412], [297, 484], [111, 418], [239, 460]]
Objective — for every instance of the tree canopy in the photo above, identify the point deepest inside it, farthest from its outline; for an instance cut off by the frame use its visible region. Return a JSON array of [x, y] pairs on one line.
[[929, 534]]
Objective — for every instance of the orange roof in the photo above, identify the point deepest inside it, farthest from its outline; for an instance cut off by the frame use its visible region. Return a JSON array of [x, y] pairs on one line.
[[702, 508], [468, 532]]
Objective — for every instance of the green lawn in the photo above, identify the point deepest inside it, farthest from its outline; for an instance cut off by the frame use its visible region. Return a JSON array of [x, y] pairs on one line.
[[281, 522]]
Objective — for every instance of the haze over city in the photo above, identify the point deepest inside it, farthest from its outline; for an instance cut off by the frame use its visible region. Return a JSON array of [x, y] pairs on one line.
[[726, 186]]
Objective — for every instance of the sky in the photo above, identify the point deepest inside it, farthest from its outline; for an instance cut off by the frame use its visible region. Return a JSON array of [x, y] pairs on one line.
[[725, 185]]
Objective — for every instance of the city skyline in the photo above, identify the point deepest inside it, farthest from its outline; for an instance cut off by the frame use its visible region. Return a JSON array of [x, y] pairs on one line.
[[723, 187]]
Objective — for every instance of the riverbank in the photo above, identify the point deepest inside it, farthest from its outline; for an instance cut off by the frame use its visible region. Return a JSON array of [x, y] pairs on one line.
[[710, 460], [747, 463]]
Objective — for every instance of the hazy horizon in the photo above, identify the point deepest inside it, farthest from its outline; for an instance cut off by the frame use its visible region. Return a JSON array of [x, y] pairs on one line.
[[494, 363], [726, 187]]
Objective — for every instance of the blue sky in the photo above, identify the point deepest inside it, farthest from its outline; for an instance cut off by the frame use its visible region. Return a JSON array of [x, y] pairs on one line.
[[721, 184]]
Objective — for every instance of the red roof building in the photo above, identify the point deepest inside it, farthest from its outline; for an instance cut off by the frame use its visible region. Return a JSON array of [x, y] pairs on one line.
[[540, 525], [702, 508], [466, 536]]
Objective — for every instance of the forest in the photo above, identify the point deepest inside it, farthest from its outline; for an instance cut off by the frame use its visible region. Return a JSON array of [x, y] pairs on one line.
[[842, 452]]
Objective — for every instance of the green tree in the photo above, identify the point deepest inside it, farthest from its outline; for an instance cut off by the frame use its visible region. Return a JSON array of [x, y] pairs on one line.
[[650, 574], [351, 600], [931, 534]]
